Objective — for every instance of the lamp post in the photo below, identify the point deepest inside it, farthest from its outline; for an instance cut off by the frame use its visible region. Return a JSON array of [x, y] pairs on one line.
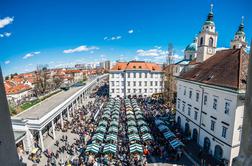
[[245, 155], [8, 151]]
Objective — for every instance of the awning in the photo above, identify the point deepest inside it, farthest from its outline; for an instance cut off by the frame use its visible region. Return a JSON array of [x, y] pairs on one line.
[[132, 129], [103, 123], [131, 123], [141, 123], [168, 134], [101, 129], [113, 129], [163, 128], [176, 143], [111, 137], [158, 122]]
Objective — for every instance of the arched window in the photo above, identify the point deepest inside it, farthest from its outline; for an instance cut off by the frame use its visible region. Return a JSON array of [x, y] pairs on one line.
[[201, 41], [210, 42], [218, 152]]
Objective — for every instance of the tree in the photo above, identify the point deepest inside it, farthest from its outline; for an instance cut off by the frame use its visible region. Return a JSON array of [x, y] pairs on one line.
[[42, 77]]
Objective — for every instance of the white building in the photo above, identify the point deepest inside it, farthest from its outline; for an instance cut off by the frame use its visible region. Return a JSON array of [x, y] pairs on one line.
[[135, 78], [210, 102], [210, 96]]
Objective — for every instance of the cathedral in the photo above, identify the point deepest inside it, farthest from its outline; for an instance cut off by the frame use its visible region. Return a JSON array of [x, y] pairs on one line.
[[205, 44]]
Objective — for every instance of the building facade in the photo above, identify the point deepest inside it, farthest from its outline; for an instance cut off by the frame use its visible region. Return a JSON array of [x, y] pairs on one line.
[[210, 103], [135, 78]]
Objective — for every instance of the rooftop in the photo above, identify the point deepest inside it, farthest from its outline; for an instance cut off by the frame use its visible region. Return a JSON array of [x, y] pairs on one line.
[[227, 68], [49, 104], [136, 65]]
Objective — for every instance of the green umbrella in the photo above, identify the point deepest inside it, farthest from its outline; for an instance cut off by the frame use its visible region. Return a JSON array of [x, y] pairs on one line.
[[113, 129], [109, 148], [94, 148], [139, 116], [141, 123], [103, 123], [144, 129], [111, 137], [130, 117], [105, 116], [131, 123], [115, 117], [136, 148], [101, 129], [114, 123], [98, 137], [132, 129], [147, 137], [134, 137]]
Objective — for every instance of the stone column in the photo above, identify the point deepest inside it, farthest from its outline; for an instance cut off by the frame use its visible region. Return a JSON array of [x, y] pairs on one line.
[[68, 117], [53, 130], [61, 121], [8, 150], [245, 154], [41, 140]]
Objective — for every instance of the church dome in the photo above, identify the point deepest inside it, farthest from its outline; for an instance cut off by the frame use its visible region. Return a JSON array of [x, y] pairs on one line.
[[191, 47]]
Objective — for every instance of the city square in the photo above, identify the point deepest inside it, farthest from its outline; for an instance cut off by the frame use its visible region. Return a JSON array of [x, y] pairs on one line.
[[125, 83]]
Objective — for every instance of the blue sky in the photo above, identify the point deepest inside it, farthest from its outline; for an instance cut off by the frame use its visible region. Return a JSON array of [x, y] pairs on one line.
[[63, 33]]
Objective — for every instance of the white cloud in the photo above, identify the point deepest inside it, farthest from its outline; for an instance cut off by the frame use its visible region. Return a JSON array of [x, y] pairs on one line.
[[157, 54], [6, 21], [80, 49], [5, 34], [151, 52], [112, 38], [31, 54], [131, 31], [7, 62]]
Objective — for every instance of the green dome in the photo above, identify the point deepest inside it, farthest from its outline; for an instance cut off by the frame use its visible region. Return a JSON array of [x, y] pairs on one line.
[[191, 47]]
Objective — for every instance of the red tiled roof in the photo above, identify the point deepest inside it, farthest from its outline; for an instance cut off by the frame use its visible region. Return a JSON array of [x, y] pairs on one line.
[[17, 89], [136, 65], [227, 68]]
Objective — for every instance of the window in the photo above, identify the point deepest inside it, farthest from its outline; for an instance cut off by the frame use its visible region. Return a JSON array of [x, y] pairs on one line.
[[210, 42], [134, 75], [156, 83], [128, 83], [197, 96], [151, 83], [128, 90], [112, 75], [201, 41], [140, 83], [227, 107], [183, 108], [112, 83], [128, 75], [161, 83], [140, 75], [113, 90], [224, 132], [145, 83], [145, 75], [155, 90], [178, 104], [117, 83], [215, 104], [151, 75], [145, 90], [190, 94], [134, 83], [140, 90], [122, 75], [185, 91], [205, 99], [212, 125], [134, 90], [189, 111], [195, 115]]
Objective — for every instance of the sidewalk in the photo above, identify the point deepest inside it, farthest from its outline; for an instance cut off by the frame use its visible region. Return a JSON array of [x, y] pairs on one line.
[[193, 149]]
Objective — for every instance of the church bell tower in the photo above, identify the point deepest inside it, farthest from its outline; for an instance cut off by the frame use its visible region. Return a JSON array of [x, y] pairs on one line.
[[207, 38]]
